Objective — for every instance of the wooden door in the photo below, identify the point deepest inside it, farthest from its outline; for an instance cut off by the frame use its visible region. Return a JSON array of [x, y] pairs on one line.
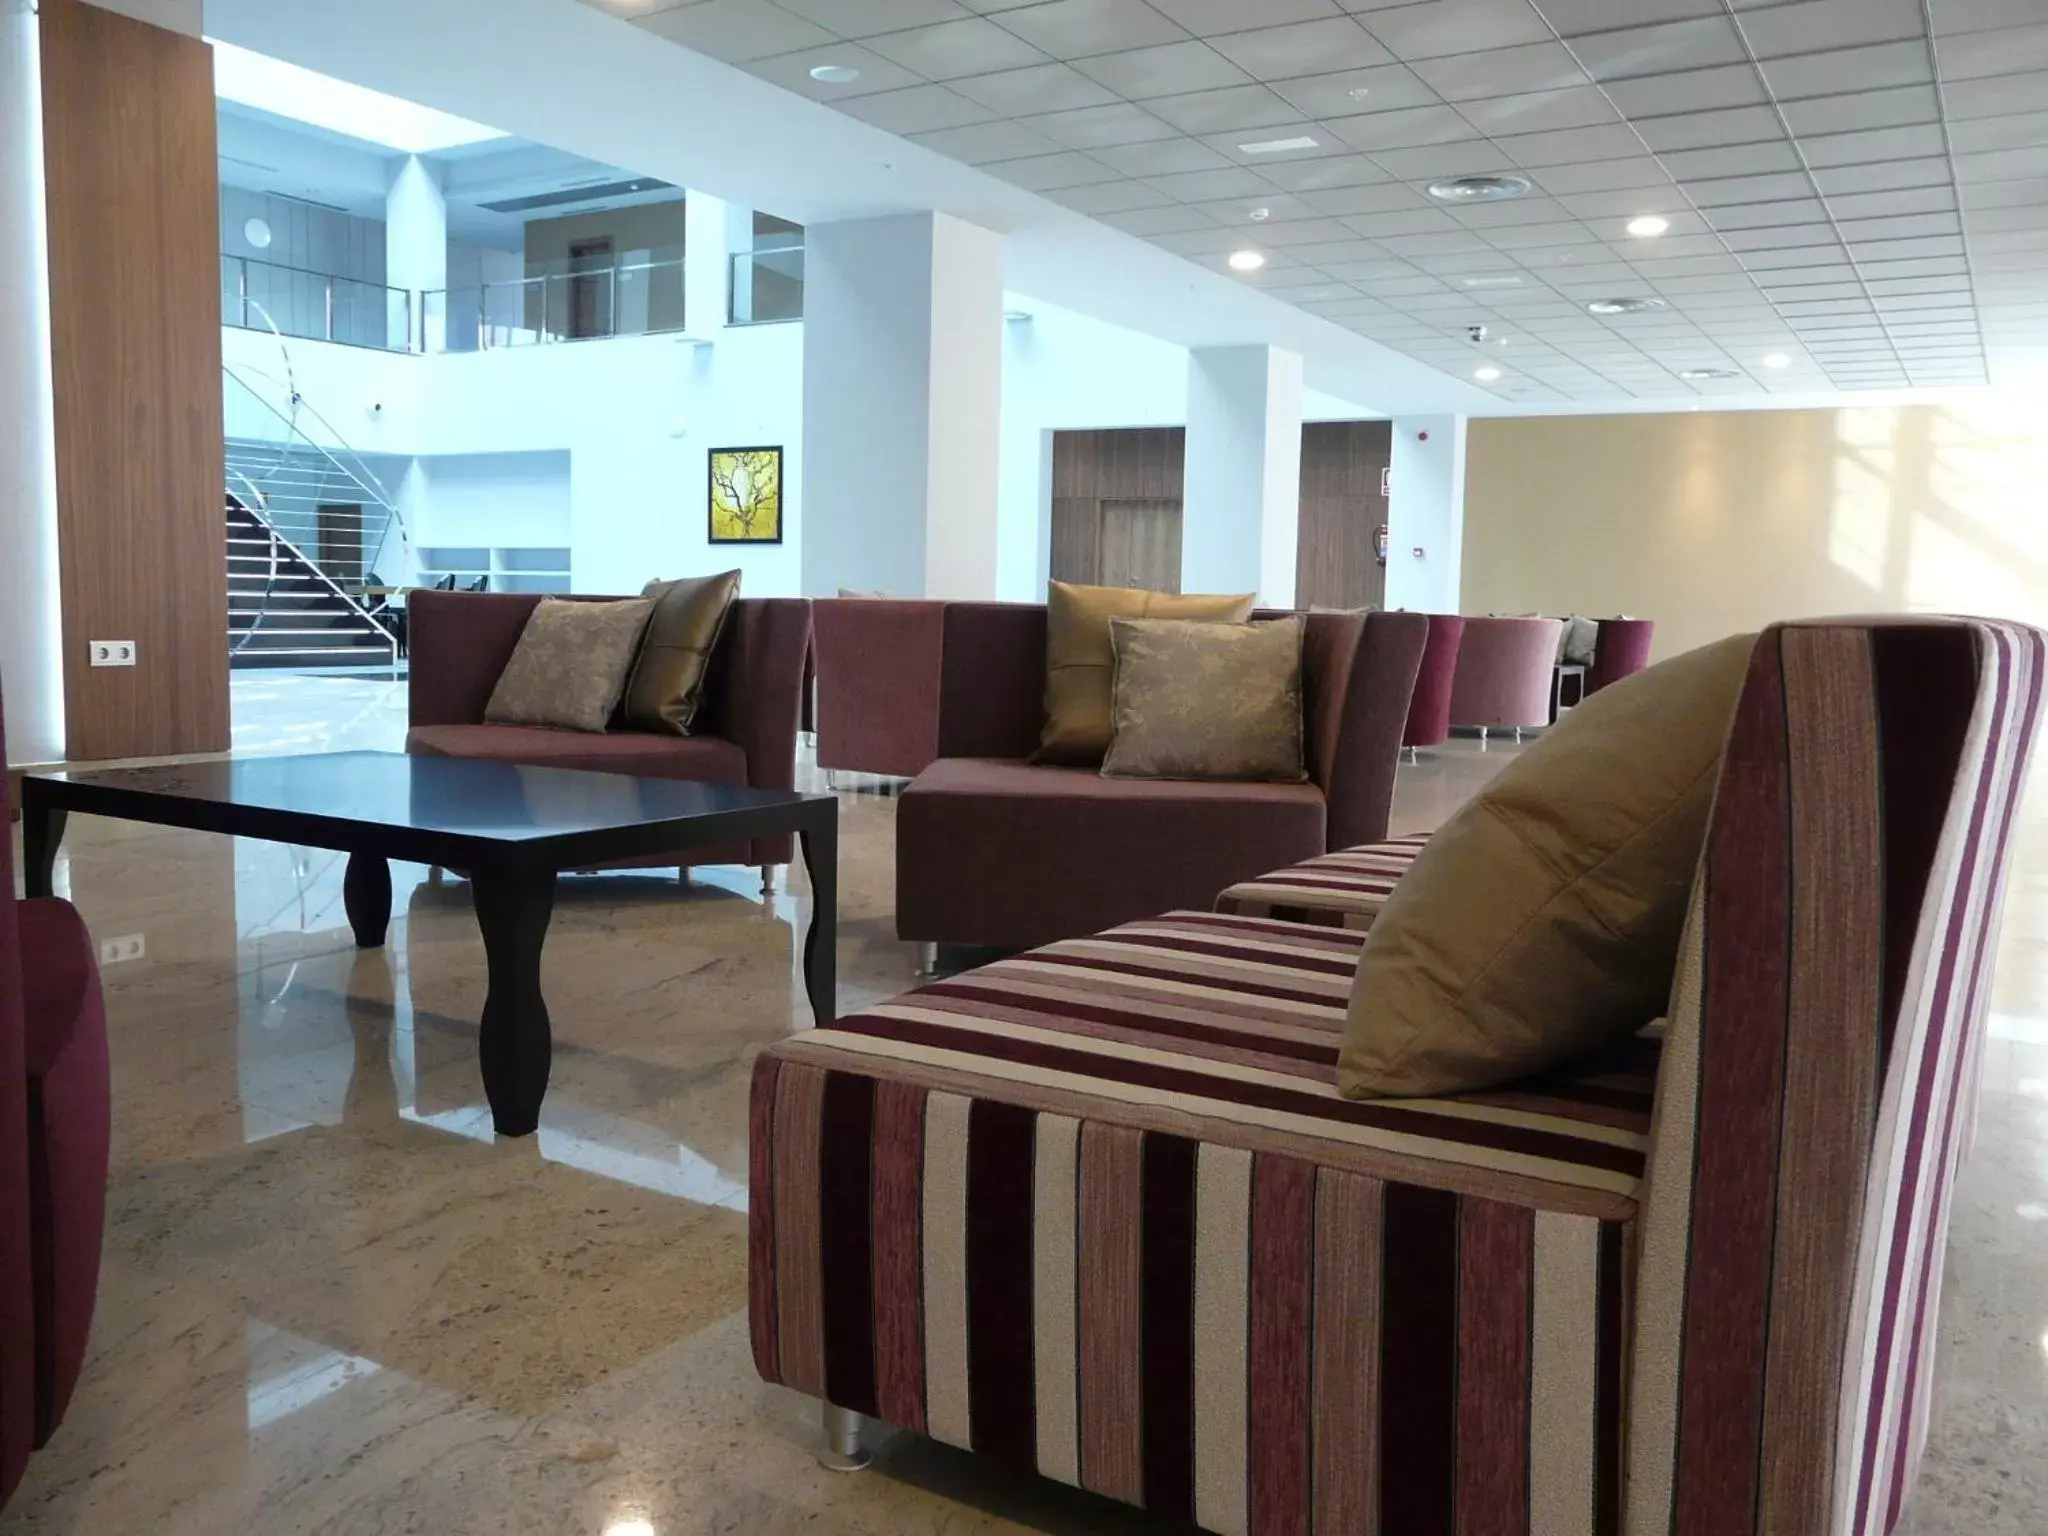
[[590, 280], [1139, 544], [1343, 503], [340, 550]]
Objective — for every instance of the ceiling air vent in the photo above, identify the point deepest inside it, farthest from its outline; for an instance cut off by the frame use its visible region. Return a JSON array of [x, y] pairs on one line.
[[588, 193], [1623, 306]]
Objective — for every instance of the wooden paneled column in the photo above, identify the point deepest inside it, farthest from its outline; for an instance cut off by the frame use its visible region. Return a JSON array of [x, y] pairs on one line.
[[132, 191]]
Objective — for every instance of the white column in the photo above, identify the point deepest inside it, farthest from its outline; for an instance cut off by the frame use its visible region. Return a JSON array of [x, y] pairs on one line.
[[31, 629], [739, 239], [903, 385], [707, 237], [416, 241], [1426, 513], [1241, 501]]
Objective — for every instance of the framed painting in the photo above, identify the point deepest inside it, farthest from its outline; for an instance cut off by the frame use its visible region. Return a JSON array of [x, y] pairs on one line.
[[746, 496]]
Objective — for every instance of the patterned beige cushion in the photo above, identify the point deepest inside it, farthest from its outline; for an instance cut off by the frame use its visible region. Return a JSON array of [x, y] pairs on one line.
[[570, 665], [1196, 700], [1540, 923], [1080, 666]]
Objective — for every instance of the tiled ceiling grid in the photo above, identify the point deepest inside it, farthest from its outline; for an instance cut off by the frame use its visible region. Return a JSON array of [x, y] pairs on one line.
[[1854, 184]]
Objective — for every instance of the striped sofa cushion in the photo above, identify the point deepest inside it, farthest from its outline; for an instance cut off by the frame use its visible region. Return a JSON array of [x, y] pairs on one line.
[[1345, 889], [1099, 1211]]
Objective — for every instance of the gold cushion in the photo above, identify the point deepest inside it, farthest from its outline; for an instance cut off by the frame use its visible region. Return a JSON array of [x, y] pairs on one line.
[[667, 683], [1541, 922], [570, 664], [1206, 701], [1080, 666]]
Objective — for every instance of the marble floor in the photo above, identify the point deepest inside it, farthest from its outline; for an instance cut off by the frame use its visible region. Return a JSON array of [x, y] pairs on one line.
[[332, 1303]]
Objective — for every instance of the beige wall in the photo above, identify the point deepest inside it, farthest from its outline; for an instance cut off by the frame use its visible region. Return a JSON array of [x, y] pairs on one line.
[[1713, 522]]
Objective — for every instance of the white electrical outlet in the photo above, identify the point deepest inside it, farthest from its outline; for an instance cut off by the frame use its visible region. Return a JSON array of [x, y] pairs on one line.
[[114, 951], [112, 653]]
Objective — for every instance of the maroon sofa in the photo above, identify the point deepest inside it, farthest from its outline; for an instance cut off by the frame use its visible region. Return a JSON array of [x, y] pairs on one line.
[[879, 671], [745, 732], [53, 1160], [993, 851], [1429, 715]]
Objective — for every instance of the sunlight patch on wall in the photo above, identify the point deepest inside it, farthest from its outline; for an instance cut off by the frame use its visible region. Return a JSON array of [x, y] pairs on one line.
[[1860, 525]]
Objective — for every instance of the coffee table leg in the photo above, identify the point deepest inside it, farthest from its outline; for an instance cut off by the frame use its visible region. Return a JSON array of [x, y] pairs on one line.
[[821, 942], [513, 907], [366, 894], [42, 829]]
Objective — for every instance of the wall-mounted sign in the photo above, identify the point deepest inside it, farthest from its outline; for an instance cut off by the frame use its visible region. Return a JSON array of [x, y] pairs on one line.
[[1386, 479]]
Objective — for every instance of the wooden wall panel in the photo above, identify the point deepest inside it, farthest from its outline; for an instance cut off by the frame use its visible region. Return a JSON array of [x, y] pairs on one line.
[[1127, 464], [133, 199], [1342, 473]]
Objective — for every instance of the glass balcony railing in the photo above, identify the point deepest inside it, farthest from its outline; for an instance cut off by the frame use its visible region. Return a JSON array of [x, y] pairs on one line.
[[262, 296], [632, 299], [766, 286]]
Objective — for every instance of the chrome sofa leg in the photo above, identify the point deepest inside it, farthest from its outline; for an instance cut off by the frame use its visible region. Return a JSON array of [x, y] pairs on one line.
[[767, 879], [927, 959], [843, 1451]]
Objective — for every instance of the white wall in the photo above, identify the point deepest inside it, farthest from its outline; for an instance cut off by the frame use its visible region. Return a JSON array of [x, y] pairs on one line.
[[1426, 512], [493, 500], [1063, 370], [638, 417]]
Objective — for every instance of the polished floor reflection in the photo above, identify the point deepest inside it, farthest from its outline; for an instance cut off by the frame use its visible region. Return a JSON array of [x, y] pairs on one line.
[[332, 1302]]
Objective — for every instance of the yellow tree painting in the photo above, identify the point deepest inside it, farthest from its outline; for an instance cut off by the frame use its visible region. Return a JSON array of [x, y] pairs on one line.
[[746, 495]]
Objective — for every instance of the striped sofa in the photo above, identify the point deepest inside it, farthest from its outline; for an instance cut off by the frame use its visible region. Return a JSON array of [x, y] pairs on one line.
[[1345, 889], [1098, 1210]]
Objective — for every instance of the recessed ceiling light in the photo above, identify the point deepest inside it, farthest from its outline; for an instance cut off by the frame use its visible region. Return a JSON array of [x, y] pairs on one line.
[[1491, 280], [1623, 306], [1277, 146], [1359, 92], [1777, 360], [835, 74], [1486, 374], [1247, 261], [1648, 226], [1478, 189], [1697, 374], [1260, 215]]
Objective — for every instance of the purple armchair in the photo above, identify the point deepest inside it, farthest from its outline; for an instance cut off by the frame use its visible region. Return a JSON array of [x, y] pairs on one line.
[[1504, 673], [745, 731], [1622, 650], [993, 850], [1429, 715], [53, 1160]]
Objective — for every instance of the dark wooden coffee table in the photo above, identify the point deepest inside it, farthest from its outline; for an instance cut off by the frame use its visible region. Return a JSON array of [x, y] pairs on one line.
[[512, 829]]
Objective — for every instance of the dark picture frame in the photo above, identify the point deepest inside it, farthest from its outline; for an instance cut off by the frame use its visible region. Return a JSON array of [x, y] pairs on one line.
[[743, 495]]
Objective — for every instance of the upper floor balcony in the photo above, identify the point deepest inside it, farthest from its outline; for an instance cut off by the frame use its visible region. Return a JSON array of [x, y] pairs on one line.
[[639, 293]]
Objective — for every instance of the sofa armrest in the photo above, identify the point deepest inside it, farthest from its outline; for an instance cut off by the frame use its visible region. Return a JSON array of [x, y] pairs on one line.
[[755, 697], [992, 681], [879, 665], [1358, 678], [459, 643]]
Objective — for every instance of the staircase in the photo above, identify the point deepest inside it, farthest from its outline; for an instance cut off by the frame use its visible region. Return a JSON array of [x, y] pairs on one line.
[[283, 612], [307, 525]]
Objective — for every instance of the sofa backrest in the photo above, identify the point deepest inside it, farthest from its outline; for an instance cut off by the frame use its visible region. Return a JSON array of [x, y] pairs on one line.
[[878, 669], [17, 1286], [1819, 1074]]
